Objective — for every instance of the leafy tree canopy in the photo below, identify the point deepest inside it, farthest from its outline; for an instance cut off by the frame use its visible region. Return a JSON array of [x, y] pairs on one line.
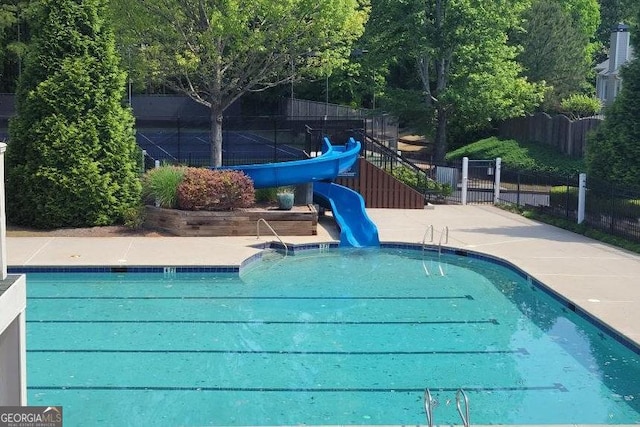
[[553, 51], [217, 50], [467, 72]]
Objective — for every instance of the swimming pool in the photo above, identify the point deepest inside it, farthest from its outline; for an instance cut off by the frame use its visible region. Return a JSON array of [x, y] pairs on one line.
[[322, 337]]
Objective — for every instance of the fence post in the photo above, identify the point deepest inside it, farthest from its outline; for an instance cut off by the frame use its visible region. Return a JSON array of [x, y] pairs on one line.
[[496, 186], [581, 197], [465, 180], [3, 220]]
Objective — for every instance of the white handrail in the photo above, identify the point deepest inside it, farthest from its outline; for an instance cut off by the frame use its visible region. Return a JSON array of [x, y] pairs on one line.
[[286, 248]]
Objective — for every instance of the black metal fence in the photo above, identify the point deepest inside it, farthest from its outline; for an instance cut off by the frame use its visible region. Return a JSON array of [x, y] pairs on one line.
[[246, 140], [611, 208], [614, 209]]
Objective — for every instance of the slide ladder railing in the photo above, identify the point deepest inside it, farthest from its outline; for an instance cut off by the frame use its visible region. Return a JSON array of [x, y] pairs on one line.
[[428, 407], [461, 397], [264, 221]]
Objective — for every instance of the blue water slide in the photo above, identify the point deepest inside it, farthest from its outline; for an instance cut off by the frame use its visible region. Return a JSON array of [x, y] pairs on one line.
[[356, 228], [332, 161]]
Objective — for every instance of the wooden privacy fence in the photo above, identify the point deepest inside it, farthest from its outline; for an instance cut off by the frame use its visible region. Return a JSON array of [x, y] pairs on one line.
[[569, 136], [382, 190]]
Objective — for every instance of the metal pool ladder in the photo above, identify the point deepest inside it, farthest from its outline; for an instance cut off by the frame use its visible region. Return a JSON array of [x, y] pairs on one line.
[[424, 240], [461, 396], [428, 407], [286, 248], [445, 234]]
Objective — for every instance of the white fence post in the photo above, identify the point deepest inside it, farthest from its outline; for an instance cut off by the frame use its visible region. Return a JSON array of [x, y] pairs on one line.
[[465, 180], [496, 185], [3, 218], [582, 193]]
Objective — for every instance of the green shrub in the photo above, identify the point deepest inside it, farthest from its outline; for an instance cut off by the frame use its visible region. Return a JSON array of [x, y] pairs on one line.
[[160, 186], [72, 155], [266, 195], [578, 105], [560, 196], [532, 156], [419, 181], [216, 190], [134, 217]]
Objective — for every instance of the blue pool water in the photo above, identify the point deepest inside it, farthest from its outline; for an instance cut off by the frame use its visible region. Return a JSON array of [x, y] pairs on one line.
[[335, 337]]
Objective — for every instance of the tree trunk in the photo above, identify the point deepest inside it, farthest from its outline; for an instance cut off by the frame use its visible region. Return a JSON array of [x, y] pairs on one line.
[[216, 135], [441, 133]]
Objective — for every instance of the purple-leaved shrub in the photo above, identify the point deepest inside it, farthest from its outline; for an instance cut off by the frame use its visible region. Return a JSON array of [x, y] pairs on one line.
[[215, 190]]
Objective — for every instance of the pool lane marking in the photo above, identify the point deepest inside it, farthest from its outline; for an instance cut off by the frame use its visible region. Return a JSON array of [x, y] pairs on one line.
[[555, 386], [282, 322], [469, 297], [522, 351]]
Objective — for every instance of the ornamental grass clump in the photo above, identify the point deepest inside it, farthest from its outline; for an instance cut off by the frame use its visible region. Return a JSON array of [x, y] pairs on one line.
[[160, 186], [215, 190]]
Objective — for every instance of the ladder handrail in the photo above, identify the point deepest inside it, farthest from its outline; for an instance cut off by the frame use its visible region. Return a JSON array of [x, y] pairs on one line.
[[424, 238], [465, 416], [444, 232], [286, 248], [428, 407]]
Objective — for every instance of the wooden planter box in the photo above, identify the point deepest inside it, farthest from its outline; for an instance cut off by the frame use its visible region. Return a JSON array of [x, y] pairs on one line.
[[299, 221]]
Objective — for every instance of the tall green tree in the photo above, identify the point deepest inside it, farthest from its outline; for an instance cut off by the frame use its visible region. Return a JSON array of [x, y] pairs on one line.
[[12, 43], [553, 51], [215, 51], [71, 157], [613, 149], [467, 71]]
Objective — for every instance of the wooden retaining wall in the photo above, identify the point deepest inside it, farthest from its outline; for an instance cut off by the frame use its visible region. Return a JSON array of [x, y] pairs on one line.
[[299, 221], [382, 190]]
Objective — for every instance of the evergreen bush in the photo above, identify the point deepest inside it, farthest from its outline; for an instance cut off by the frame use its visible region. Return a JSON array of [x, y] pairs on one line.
[[71, 156], [215, 190]]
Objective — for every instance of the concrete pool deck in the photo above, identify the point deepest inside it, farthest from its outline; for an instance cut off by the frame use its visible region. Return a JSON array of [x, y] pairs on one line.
[[599, 279]]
